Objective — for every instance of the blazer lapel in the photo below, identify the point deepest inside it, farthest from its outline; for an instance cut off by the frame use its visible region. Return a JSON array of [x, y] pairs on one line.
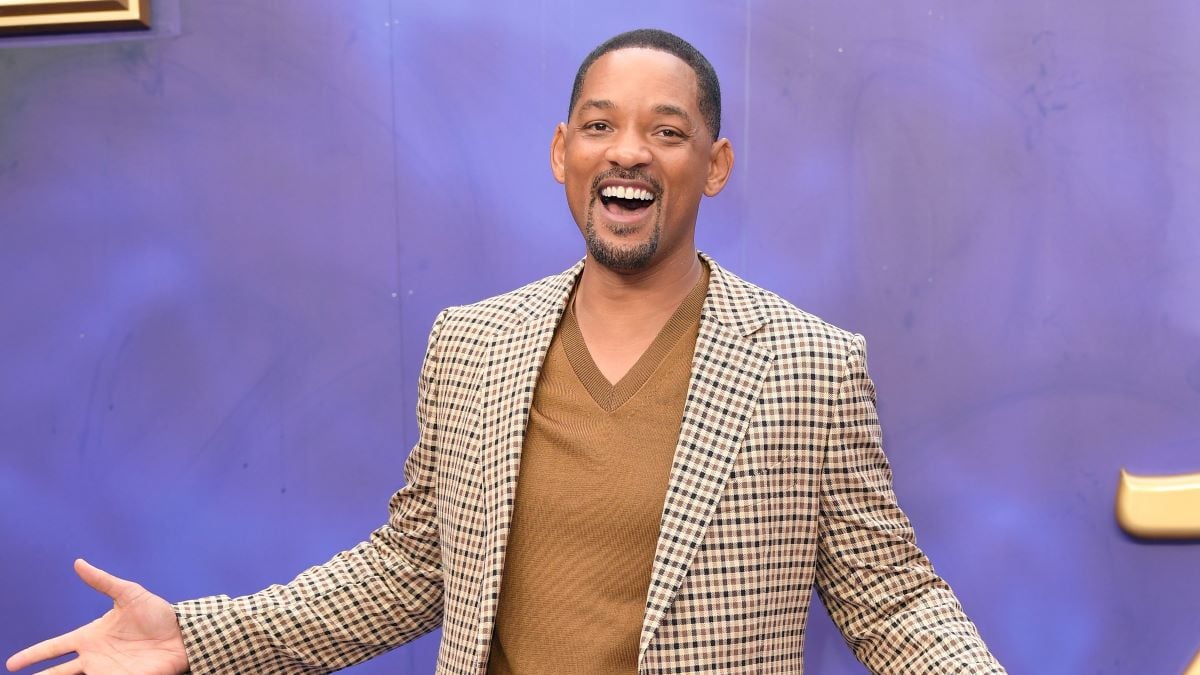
[[514, 359], [727, 372]]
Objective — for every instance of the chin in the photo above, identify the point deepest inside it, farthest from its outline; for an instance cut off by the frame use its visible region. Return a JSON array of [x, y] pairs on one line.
[[620, 256], [624, 246]]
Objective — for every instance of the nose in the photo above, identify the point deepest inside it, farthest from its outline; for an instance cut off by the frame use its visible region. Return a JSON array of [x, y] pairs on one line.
[[628, 150]]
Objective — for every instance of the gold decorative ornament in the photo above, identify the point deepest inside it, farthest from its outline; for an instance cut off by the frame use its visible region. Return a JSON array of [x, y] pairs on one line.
[[1159, 507]]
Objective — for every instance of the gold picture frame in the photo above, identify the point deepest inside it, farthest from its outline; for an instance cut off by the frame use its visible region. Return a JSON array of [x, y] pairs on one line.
[[62, 16]]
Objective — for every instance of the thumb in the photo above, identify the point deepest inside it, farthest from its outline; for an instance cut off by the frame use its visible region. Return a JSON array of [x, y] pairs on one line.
[[114, 587]]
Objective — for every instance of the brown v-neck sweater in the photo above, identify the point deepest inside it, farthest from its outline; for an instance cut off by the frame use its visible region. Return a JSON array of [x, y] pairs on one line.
[[594, 469]]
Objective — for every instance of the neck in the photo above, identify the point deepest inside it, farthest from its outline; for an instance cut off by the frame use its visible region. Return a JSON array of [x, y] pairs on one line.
[[622, 295]]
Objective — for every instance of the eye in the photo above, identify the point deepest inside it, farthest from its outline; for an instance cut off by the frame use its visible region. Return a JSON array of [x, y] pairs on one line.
[[598, 127], [671, 134]]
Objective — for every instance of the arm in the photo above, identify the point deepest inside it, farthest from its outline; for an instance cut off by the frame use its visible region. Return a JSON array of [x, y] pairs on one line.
[[382, 593], [895, 612]]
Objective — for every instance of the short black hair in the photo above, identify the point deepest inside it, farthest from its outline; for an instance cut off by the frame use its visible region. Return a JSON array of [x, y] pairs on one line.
[[661, 40]]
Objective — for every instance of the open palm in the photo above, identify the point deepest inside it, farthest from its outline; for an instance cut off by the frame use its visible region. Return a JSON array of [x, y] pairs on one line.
[[139, 635]]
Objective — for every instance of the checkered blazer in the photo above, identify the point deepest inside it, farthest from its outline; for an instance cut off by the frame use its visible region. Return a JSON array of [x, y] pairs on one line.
[[779, 483]]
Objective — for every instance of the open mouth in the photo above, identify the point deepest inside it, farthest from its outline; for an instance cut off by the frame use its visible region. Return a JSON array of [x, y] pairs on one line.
[[622, 200]]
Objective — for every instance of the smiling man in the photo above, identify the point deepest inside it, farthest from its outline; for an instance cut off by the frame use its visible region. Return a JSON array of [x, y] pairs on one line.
[[641, 465]]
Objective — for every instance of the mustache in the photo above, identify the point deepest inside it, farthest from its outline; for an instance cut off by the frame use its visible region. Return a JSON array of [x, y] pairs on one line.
[[627, 174]]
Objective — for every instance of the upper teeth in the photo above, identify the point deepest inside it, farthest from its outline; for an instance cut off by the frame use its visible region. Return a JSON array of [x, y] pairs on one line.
[[621, 192]]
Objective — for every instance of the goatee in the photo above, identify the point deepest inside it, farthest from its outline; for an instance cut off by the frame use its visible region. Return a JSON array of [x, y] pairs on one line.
[[614, 256]]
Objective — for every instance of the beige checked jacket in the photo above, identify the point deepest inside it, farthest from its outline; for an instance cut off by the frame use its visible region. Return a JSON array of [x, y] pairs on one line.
[[779, 483]]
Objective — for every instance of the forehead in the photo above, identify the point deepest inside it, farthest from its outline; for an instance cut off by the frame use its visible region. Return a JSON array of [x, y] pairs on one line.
[[633, 75]]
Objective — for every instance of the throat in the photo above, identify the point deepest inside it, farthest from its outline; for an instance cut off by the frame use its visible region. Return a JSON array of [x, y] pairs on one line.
[[616, 341], [615, 362]]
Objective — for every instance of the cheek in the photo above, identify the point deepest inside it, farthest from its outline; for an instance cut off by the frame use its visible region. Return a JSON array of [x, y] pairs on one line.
[[578, 194], [578, 198]]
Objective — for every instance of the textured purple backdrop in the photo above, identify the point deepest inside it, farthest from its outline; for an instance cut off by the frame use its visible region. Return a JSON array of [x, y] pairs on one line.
[[221, 247]]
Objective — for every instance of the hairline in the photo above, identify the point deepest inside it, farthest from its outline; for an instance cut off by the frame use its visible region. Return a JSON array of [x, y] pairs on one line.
[[708, 87]]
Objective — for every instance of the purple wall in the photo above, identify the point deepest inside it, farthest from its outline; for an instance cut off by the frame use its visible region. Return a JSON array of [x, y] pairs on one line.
[[222, 244]]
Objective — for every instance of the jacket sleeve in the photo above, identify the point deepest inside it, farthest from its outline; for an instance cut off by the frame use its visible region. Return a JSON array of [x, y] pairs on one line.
[[376, 596], [894, 611]]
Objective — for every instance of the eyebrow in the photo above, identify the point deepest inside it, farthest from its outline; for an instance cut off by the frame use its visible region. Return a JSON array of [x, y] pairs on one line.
[[660, 109], [673, 110], [602, 104]]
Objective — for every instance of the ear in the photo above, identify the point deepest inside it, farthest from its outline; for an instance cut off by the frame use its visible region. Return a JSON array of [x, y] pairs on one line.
[[720, 164], [558, 153]]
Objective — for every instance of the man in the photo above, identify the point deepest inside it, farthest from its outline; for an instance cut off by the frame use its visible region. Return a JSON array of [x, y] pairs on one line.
[[643, 464]]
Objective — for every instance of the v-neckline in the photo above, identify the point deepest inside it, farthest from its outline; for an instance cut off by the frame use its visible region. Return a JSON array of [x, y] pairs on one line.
[[611, 396]]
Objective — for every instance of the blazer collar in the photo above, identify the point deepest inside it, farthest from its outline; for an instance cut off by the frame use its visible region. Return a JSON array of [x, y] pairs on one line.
[[731, 301]]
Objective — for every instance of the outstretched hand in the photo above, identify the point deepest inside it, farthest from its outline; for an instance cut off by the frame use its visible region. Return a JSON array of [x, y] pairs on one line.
[[139, 635]]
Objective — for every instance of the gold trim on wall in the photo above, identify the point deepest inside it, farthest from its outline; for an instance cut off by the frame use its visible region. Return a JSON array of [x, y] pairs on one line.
[[57, 16]]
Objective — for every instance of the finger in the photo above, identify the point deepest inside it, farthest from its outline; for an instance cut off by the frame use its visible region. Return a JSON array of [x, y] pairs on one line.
[[42, 651], [72, 667], [102, 581]]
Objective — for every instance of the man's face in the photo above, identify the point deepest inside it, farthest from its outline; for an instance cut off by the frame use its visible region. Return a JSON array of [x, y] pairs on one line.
[[636, 157]]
